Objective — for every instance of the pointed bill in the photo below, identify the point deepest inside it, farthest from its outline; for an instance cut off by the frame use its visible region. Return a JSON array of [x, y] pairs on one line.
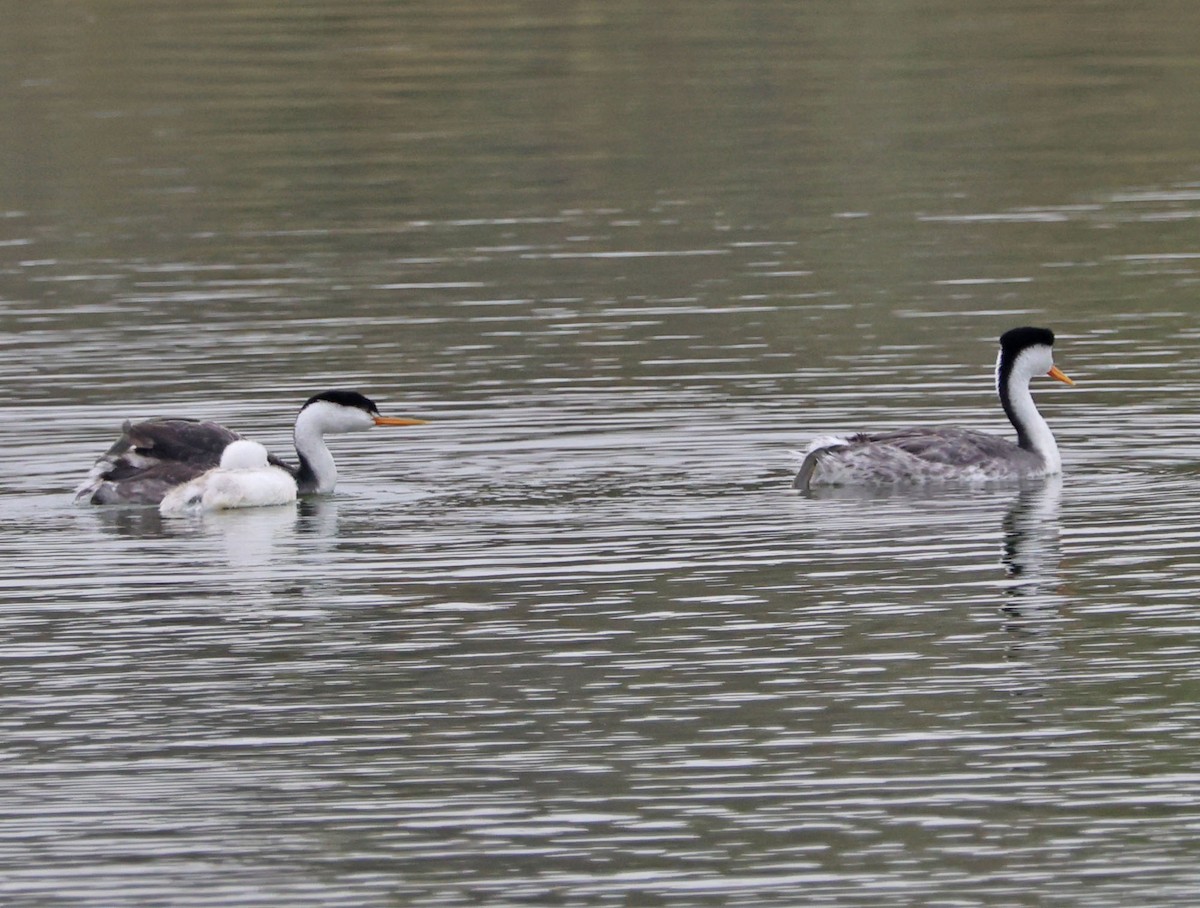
[[1058, 374], [398, 421]]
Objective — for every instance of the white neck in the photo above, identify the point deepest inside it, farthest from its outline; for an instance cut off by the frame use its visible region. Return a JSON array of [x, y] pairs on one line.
[[1033, 433], [310, 445], [1025, 416]]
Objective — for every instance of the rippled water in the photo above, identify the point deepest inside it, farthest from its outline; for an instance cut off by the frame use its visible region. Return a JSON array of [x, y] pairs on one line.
[[576, 641]]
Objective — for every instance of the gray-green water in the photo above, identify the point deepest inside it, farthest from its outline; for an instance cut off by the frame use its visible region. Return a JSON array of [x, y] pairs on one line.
[[576, 642]]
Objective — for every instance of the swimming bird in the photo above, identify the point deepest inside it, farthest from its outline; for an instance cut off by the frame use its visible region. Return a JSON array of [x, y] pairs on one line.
[[154, 456], [947, 453], [244, 479]]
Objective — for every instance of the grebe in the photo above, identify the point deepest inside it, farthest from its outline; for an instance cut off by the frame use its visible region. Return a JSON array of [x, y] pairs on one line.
[[950, 454], [154, 456], [244, 479]]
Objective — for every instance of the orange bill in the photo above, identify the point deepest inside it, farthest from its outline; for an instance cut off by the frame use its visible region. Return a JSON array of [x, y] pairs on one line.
[[1057, 373], [397, 421]]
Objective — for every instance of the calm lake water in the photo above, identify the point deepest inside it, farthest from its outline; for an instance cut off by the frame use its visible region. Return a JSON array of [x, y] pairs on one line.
[[576, 642]]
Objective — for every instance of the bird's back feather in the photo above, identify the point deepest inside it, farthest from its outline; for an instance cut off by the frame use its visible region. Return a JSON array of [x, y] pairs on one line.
[[151, 457], [919, 454]]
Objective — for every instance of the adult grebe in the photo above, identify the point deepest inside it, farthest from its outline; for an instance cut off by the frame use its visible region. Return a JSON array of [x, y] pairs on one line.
[[154, 456], [949, 454], [244, 479]]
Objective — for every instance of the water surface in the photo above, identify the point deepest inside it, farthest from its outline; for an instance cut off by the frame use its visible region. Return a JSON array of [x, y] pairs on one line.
[[576, 641]]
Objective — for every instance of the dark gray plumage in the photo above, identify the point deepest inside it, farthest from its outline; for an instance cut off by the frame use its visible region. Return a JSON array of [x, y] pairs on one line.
[[154, 456]]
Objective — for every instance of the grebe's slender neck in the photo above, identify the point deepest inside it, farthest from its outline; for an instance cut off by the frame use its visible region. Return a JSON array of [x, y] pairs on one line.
[[318, 472], [1013, 374]]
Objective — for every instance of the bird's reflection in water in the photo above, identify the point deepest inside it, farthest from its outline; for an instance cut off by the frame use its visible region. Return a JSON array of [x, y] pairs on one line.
[[1031, 558], [138, 522], [317, 515], [250, 537], [258, 537]]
